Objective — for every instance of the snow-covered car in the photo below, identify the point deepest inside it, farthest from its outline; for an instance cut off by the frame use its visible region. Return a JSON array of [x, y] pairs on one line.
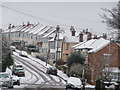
[[6, 80], [19, 71], [16, 80], [111, 85], [23, 54], [52, 70], [17, 65], [13, 48], [74, 83]]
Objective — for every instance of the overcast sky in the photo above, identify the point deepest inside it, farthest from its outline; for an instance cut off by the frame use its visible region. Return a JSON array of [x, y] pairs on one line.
[[78, 14]]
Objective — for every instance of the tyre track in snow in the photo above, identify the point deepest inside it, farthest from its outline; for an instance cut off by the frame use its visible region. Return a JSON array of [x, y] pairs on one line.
[[31, 76], [16, 60], [60, 79], [46, 78], [52, 77]]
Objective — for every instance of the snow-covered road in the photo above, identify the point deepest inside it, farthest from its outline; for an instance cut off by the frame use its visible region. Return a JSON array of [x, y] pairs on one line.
[[36, 71]]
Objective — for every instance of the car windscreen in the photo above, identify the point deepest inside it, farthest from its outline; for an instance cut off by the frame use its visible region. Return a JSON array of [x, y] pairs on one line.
[[19, 69], [18, 66], [4, 76]]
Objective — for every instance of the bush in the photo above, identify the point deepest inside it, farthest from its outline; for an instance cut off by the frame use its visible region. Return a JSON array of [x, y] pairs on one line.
[[7, 62], [75, 57]]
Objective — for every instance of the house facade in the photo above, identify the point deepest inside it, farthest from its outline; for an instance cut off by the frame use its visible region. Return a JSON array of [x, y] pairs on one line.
[[101, 53]]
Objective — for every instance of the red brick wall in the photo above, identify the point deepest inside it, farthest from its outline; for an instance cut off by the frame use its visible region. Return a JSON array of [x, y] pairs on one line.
[[95, 60]]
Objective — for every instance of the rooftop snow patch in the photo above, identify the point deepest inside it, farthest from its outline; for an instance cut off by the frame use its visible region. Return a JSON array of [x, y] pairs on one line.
[[111, 69], [94, 44], [71, 39]]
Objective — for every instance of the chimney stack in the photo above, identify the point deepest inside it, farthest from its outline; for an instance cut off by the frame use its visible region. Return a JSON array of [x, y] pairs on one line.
[[9, 26], [95, 37], [28, 23], [13, 26], [104, 36], [89, 36], [23, 24], [81, 37], [72, 30]]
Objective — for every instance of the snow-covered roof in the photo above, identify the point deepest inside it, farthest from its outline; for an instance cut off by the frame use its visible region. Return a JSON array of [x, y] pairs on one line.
[[71, 39], [26, 28], [51, 31], [111, 69], [34, 29], [93, 44], [45, 29], [61, 36], [31, 28]]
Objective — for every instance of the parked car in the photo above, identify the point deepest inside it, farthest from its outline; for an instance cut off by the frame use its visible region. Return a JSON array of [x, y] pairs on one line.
[[16, 80], [6, 80], [23, 54], [17, 65], [74, 83], [111, 84], [52, 70], [13, 48], [18, 70]]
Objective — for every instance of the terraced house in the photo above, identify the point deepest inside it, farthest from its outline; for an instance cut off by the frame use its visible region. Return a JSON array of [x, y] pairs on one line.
[[26, 34]]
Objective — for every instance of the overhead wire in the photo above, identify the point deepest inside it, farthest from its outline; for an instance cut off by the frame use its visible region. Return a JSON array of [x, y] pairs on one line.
[[37, 17]]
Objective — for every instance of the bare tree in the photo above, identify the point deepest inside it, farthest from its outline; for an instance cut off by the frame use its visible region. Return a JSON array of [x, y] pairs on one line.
[[113, 19]]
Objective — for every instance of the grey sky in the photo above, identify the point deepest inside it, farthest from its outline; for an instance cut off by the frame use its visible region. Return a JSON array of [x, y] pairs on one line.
[[79, 14]]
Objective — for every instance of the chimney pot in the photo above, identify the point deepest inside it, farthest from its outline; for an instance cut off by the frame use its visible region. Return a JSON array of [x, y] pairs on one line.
[[72, 30], [104, 36], [9, 26], [28, 23], [89, 36], [81, 37]]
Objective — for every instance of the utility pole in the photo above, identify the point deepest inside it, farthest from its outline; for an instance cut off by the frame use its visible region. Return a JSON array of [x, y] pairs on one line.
[[57, 40], [0, 50], [9, 35]]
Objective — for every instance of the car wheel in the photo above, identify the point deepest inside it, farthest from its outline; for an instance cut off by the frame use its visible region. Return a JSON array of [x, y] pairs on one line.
[[66, 88], [23, 75], [11, 86], [18, 82]]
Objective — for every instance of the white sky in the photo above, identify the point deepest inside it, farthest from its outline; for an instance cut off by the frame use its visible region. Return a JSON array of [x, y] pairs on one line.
[[79, 14]]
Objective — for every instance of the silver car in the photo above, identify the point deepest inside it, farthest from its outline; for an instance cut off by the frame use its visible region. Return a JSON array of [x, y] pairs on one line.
[[6, 80]]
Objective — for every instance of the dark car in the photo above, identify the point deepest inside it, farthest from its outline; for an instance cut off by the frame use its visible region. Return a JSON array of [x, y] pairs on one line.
[[52, 70], [18, 70]]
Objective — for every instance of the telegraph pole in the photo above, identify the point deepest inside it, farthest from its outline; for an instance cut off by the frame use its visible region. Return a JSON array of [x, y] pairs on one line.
[[0, 50], [9, 34], [57, 40]]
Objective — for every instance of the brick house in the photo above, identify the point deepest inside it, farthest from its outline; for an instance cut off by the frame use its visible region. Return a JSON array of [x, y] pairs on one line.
[[96, 61]]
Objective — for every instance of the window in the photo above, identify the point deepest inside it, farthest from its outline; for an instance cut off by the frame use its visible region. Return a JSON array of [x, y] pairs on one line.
[[53, 56], [66, 56], [67, 46]]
